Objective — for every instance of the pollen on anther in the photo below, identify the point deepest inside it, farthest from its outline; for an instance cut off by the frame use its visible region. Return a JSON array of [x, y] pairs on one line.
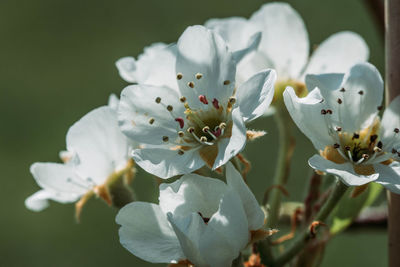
[[158, 100], [222, 125], [356, 136], [342, 90], [191, 84], [190, 129], [165, 138], [206, 129], [323, 111], [329, 111], [338, 129], [181, 134], [181, 152], [226, 82], [203, 139], [151, 120], [179, 76], [365, 156], [232, 100], [339, 101], [347, 148], [182, 99], [361, 92], [336, 145], [396, 130], [199, 76], [169, 108]]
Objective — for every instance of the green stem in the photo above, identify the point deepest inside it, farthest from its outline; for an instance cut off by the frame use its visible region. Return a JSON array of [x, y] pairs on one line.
[[281, 170], [298, 245], [280, 179]]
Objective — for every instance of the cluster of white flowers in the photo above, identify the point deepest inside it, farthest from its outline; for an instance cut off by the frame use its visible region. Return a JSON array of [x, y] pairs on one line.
[[188, 107]]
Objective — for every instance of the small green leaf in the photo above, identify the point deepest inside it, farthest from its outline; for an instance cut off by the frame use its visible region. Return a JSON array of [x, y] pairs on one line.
[[349, 208]]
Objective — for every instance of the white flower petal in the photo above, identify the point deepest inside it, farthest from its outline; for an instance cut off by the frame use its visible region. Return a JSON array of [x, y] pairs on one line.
[[391, 121], [99, 144], [146, 233], [344, 171], [192, 193], [144, 120], [284, 38], [230, 147], [227, 232], [389, 176], [154, 67], [236, 31], [166, 163], [113, 102], [40, 200], [338, 54], [57, 177], [251, 65], [252, 45], [255, 95], [189, 230], [363, 95], [127, 68], [327, 82], [202, 51], [306, 113], [255, 215]]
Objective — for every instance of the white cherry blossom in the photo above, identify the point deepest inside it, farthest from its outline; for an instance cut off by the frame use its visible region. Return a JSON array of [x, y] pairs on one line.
[[340, 117], [97, 154], [188, 111], [285, 47], [199, 220]]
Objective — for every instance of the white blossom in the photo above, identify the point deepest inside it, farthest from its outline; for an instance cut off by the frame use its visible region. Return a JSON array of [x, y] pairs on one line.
[[340, 117], [199, 219], [285, 47], [96, 151], [186, 109]]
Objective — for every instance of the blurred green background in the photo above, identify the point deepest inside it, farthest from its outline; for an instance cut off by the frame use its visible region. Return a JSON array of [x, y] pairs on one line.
[[57, 63]]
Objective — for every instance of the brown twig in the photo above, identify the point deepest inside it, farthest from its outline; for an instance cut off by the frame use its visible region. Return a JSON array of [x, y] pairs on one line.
[[312, 197]]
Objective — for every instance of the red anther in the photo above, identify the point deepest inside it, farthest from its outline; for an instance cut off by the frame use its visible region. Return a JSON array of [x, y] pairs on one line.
[[203, 99], [215, 103], [181, 122], [217, 133]]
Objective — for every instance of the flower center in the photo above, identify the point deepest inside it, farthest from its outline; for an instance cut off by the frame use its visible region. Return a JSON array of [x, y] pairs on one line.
[[362, 149], [203, 125]]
